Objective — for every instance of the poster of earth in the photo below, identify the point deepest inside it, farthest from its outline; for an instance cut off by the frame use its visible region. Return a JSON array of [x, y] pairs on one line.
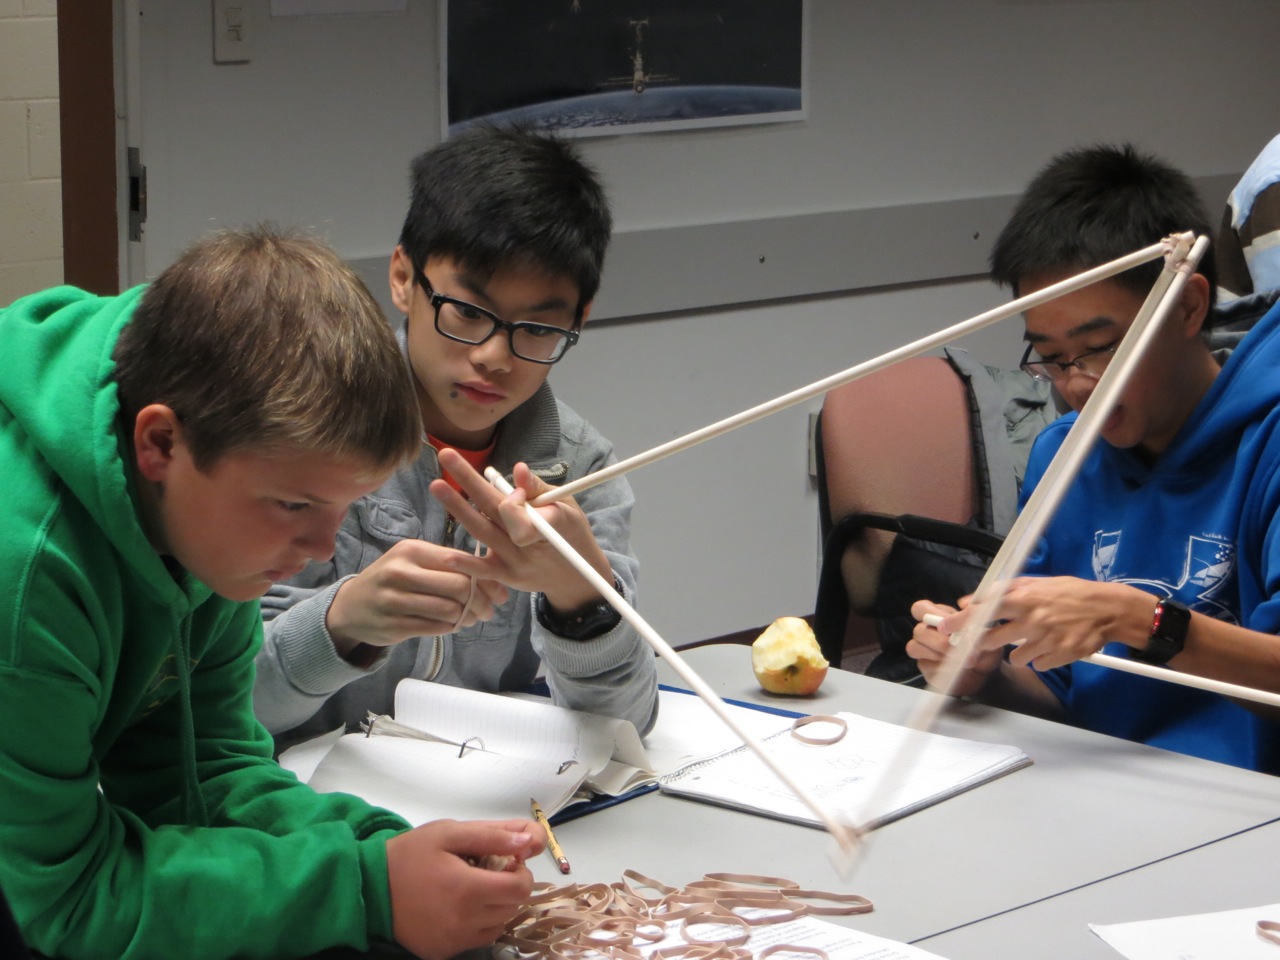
[[584, 67]]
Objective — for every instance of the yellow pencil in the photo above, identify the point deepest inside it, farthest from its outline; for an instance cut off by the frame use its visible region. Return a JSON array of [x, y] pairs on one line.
[[552, 844]]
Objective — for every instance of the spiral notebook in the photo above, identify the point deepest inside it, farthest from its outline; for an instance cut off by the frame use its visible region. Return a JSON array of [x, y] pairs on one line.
[[845, 776], [411, 763], [452, 752]]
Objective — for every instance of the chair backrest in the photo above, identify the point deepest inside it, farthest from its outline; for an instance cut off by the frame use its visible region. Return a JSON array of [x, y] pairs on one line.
[[894, 443], [897, 441], [919, 469]]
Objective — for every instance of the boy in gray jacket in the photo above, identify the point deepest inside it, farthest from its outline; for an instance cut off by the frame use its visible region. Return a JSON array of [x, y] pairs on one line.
[[498, 261]]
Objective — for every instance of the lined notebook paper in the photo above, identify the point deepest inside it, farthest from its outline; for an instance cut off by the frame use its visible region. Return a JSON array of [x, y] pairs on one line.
[[845, 775]]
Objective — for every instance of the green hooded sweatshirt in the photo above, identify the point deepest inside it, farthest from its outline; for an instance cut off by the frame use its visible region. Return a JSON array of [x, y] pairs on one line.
[[141, 813]]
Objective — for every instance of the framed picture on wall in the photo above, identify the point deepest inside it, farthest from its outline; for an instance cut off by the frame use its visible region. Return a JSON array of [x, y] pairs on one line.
[[591, 67]]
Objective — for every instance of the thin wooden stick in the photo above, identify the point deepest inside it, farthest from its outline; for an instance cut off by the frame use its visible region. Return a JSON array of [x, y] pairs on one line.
[[1164, 673], [842, 833], [1185, 679], [941, 338]]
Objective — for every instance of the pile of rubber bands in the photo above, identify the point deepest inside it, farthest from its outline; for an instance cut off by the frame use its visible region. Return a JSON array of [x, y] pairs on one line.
[[615, 921]]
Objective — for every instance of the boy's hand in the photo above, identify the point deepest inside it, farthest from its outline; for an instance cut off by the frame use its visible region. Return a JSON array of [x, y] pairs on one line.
[[930, 645], [1058, 620], [518, 555], [413, 590], [440, 903]]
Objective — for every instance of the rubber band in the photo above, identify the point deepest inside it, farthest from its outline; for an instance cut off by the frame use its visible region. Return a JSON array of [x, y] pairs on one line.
[[645, 883], [551, 928], [1269, 930], [791, 948], [627, 904], [745, 880], [659, 931], [717, 919], [549, 892], [610, 921], [678, 907], [576, 951], [707, 894], [596, 893], [471, 593], [613, 931], [702, 951], [853, 903], [780, 910], [819, 718]]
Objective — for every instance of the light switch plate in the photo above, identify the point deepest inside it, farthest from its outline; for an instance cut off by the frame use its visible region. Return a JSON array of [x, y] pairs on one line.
[[232, 31]]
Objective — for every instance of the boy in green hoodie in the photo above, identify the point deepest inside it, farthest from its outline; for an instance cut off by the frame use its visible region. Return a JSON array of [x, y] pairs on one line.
[[168, 454]]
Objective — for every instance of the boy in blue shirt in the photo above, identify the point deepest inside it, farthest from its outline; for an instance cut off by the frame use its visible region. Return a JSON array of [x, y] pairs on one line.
[[1164, 548], [499, 258]]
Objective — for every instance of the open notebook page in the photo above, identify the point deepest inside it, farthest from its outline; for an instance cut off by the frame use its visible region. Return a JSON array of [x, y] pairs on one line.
[[687, 730], [516, 727], [423, 781], [846, 775]]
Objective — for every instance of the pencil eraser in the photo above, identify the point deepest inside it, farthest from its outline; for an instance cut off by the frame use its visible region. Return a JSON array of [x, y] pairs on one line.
[[564, 866]]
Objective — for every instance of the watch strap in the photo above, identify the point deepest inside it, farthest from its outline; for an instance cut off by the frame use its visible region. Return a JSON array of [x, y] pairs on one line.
[[586, 623]]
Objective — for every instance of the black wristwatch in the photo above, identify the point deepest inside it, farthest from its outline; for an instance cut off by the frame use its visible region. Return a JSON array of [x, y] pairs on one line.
[[1168, 633], [586, 623]]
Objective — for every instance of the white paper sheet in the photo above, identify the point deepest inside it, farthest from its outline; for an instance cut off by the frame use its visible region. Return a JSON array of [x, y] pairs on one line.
[[1227, 935], [839, 943]]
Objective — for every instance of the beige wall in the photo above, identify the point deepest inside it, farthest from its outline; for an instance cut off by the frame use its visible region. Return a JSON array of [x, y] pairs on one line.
[[30, 161]]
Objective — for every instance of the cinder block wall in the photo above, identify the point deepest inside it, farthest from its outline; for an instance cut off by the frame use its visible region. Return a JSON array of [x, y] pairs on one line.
[[30, 161]]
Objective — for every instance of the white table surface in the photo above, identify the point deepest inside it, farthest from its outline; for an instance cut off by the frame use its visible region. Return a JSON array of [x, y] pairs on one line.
[[1089, 808], [1229, 874]]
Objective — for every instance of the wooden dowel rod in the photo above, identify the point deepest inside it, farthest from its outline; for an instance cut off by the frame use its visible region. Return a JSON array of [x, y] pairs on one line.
[[1163, 673], [1234, 690], [941, 338]]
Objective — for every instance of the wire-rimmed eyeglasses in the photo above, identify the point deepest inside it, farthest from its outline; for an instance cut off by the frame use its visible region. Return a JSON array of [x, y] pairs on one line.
[[1091, 364]]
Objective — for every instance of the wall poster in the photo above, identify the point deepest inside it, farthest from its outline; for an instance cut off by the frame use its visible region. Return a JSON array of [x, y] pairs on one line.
[[591, 67]]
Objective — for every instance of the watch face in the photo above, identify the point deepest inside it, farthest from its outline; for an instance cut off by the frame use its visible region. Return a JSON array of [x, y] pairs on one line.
[[1168, 632]]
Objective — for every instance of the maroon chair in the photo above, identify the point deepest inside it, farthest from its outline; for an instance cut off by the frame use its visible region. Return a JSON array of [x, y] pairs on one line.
[[895, 451]]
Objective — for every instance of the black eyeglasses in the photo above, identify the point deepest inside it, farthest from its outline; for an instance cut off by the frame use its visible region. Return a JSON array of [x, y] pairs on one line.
[[1091, 364], [467, 323]]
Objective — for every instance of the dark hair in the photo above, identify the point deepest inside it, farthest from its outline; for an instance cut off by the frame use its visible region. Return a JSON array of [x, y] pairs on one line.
[[258, 339], [493, 197], [1096, 204]]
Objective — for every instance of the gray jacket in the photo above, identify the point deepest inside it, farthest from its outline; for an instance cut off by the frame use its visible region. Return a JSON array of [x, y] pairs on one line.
[[304, 688]]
